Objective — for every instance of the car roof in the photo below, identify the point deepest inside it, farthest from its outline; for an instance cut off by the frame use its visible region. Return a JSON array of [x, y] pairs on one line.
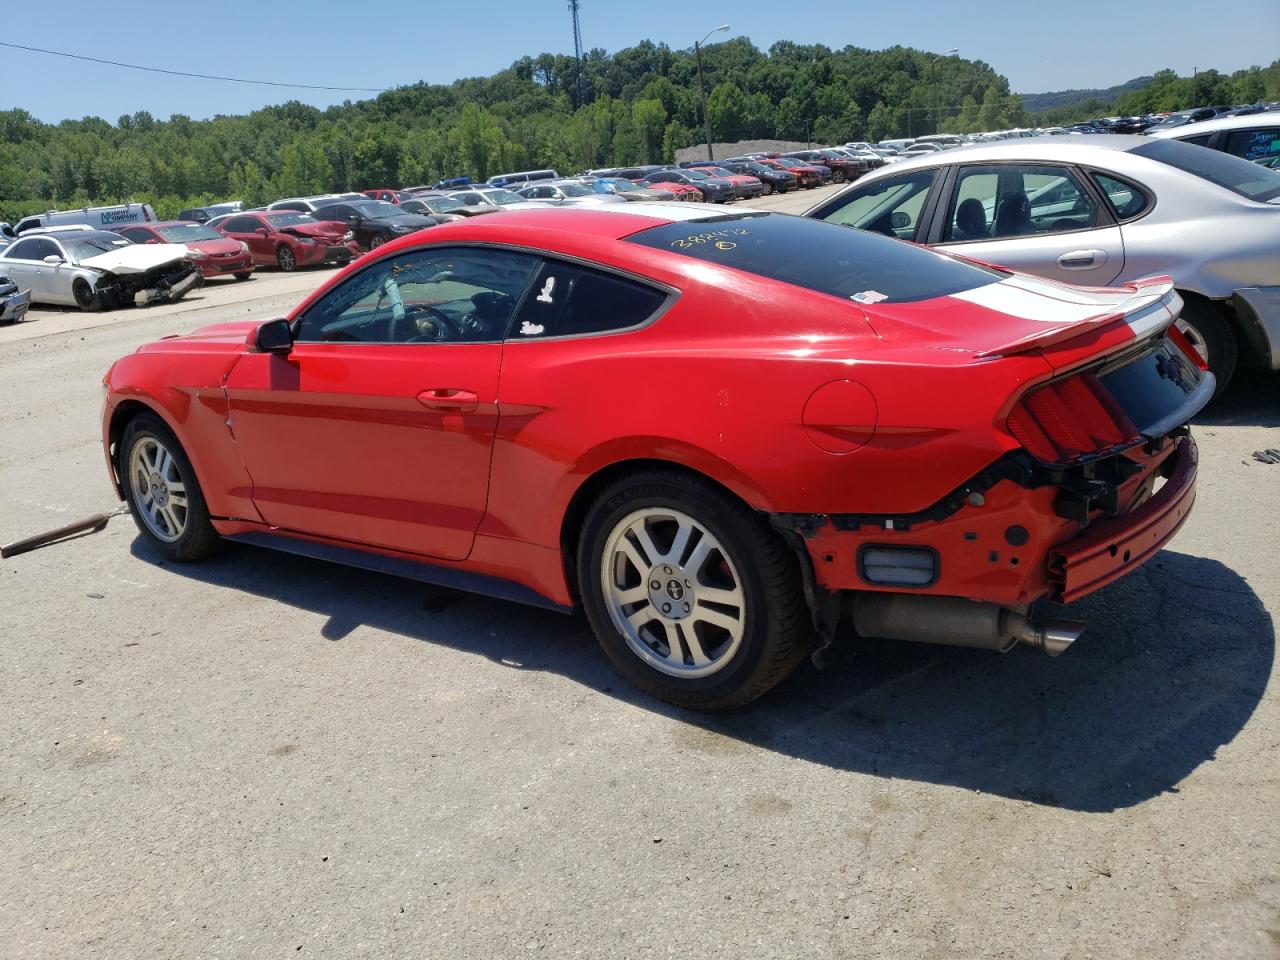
[[613, 222], [165, 223], [1048, 149], [1264, 119]]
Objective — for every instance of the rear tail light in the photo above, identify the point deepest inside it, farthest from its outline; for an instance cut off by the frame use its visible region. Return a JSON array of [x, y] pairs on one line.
[[1070, 420]]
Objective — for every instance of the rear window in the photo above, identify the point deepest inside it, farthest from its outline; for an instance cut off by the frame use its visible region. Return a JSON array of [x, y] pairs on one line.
[[842, 261], [1241, 177]]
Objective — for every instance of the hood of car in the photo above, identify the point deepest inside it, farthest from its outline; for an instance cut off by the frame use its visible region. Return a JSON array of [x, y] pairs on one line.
[[213, 248], [414, 220], [136, 258], [328, 229]]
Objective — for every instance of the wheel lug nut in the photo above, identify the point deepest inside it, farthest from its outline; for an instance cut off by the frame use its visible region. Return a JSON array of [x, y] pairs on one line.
[[686, 608], [654, 585], [666, 569], [688, 584], [666, 608]]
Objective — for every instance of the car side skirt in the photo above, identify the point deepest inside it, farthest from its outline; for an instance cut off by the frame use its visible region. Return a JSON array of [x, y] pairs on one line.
[[423, 571]]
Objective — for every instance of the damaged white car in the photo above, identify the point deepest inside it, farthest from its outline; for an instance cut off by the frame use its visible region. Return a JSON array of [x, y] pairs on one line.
[[97, 270]]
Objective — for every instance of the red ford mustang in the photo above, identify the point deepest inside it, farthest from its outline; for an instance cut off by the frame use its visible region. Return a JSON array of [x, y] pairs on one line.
[[720, 435]]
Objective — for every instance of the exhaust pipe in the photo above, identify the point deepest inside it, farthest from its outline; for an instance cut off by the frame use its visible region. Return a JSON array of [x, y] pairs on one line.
[[958, 623]]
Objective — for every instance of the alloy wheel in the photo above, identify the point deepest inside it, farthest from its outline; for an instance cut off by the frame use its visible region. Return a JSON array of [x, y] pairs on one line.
[[673, 592], [158, 490]]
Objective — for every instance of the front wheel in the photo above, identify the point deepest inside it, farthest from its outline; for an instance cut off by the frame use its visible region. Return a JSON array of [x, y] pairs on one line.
[[161, 490], [285, 259], [838, 176], [377, 241], [242, 277], [692, 595], [86, 299]]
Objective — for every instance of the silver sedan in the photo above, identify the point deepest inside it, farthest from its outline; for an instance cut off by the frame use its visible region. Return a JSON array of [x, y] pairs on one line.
[[1098, 211]]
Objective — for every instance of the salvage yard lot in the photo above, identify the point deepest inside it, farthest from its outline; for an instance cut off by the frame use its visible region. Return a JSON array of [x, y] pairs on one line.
[[262, 754]]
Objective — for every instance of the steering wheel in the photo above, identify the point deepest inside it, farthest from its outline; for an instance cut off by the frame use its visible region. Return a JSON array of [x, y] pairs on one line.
[[439, 326]]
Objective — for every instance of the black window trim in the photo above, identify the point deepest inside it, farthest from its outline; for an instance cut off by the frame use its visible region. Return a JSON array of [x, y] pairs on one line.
[[1090, 172], [1103, 216], [672, 295], [670, 298]]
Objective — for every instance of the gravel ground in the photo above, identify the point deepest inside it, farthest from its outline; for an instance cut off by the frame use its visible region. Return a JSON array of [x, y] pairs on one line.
[[263, 755]]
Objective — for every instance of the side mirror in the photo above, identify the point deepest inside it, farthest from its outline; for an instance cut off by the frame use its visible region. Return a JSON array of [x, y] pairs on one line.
[[274, 336], [899, 220], [263, 230], [53, 258]]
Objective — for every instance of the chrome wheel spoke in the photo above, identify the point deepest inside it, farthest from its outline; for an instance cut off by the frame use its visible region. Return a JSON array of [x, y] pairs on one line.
[[157, 489], [656, 598]]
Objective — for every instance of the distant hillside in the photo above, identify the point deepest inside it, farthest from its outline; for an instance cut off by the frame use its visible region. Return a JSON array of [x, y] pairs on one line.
[[1039, 102]]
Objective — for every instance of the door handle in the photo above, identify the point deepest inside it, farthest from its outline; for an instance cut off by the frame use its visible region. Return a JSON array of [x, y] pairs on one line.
[[1082, 259], [450, 398]]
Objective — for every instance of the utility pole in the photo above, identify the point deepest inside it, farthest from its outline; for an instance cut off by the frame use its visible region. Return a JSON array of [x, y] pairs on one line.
[[808, 141], [937, 88], [577, 51], [702, 87]]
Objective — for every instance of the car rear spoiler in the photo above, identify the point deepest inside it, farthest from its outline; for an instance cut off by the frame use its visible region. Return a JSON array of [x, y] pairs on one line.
[[1153, 305]]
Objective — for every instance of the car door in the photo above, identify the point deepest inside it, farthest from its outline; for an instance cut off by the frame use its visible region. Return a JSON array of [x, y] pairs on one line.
[[247, 229], [23, 263], [1036, 217], [377, 427]]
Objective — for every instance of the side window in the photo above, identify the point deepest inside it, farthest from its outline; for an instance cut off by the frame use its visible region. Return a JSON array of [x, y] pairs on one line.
[[241, 225], [1015, 200], [297, 206], [440, 295], [136, 234], [1253, 144], [1200, 141], [570, 300], [891, 206], [35, 248], [334, 211], [1126, 200]]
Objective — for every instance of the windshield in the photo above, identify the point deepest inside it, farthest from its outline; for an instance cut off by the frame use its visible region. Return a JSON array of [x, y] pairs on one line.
[[290, 219], [373, 209], [503, 197], [443, 204], [574, 190], [849, 264], [621, 186], [91, 245], [1241, 177], [696, 175], [187, 232], [716, 171], [1176, 120]]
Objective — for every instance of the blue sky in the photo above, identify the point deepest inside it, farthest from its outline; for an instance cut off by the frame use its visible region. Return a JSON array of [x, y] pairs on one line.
[[1039, 45]]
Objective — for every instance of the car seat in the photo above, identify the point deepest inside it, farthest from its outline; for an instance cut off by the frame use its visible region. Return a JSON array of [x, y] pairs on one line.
[[1014, 215], [971, 220]]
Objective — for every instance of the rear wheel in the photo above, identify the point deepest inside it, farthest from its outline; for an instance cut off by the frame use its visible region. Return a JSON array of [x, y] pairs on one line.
[[377, 241], [1211, 334], [161, 490], [838, 176], [86, 299], [691, 594], [285, 259]]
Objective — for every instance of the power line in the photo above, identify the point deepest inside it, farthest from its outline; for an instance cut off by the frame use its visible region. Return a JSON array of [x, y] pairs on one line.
[[180, 73]]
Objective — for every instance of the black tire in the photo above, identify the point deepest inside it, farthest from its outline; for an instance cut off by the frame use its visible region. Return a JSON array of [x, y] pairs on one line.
[[776, 628], [242, 277], [86, 299], [1212, 331], [198, 538], [285, 259], [768, 189]]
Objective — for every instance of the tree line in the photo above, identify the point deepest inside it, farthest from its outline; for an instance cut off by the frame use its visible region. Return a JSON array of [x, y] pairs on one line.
[[1168, 92], [637, 105]]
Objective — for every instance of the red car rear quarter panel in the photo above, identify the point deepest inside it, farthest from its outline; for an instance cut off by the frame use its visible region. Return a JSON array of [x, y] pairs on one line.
[[181, 381]]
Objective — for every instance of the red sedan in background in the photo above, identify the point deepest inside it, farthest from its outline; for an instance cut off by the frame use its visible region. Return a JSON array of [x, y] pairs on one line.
[[718, 434], [390, 196], [288, 239], [807, 176], [213, 254]]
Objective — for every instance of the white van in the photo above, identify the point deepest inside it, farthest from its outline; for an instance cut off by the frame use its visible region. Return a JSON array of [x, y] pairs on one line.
[[516, 180], [99, 218]]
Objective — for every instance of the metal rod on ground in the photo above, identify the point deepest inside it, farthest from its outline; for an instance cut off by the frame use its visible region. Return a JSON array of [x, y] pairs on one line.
[[88, 525]]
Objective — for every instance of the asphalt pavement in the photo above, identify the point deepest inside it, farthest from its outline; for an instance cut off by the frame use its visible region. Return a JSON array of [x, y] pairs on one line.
[[266, 756]]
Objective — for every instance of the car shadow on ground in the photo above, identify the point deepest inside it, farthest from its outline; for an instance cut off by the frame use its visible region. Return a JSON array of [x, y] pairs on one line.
[[1175, 662], [1251, 399]]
